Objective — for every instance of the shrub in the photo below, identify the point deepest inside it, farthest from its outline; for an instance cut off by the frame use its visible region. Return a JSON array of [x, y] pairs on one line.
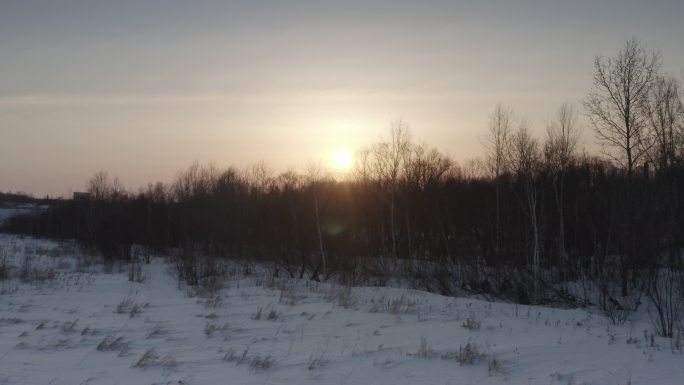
[[210, 328], [495, 365], [124, 305], [469, 354], [151, 358], [4, 266], [110, 343], [135, 272], [130, 306], [272, 315], [471, 324], [259, 363], [257, 315], [26, 265], [424, 350], [230, 356], [665, 289]]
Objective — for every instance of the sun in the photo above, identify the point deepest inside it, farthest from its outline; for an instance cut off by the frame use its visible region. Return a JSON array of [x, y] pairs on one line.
[[342, 159]]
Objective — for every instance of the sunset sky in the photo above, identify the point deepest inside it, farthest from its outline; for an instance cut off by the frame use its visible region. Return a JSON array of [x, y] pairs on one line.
[[144, 88]]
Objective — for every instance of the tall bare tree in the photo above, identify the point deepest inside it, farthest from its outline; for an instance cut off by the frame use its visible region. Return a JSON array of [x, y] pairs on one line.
[[390, 158], [616, 104], [562, 137], [290, 184], [496, 142], [616, 107], [316, 175], [525, 158]]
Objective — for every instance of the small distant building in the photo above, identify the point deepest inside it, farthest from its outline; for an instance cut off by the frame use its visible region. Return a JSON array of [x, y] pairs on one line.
[[81, 196]]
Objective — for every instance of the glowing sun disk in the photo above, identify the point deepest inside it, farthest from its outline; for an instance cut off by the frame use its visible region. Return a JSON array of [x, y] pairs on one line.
[[342, 159]]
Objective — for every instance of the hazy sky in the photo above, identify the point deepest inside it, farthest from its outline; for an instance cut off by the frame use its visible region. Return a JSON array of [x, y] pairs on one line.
[[144, 88]]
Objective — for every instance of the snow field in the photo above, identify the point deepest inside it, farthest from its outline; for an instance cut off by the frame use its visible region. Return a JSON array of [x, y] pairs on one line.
[[68, 322]]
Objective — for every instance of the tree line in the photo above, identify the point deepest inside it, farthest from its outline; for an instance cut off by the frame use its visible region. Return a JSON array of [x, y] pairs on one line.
[[530, 215]]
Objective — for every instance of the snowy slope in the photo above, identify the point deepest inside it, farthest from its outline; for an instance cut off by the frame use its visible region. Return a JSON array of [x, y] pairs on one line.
[[9, 212], [6, 213], [74, 324]]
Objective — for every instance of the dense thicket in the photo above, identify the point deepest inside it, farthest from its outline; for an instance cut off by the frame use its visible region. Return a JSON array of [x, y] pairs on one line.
[[437, 214]]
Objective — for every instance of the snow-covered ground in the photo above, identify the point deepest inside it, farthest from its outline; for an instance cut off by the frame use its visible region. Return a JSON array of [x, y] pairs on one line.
[[9, 212], [6, 213], [74, 324]]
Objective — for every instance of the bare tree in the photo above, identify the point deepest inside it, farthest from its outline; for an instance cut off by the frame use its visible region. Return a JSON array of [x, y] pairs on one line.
[[102, 188], [315, 176], [475, 168], [154, 192], [615, 105], [426, 167], [665, 111], [559, 151], [389, 161], [525, 158], [424, 170], [98, 186], [259, 176], [197, 180], [497, 142], [362, 165], [664, 289]]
